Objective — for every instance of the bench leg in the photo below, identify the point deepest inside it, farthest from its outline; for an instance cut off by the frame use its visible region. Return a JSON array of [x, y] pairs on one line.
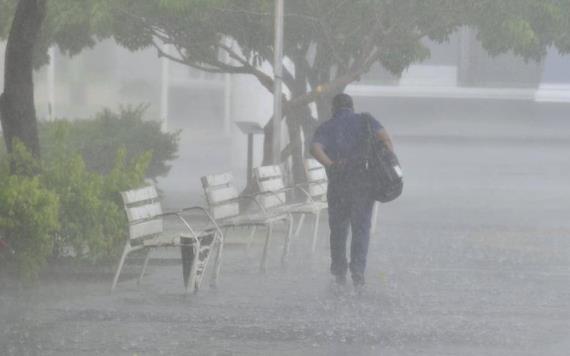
[[250, 240], [300, 225], [193, 268], [315, 232], [217, 262], [145, 264], [287, 242], [126, 251], [263, 266], [188, 255]]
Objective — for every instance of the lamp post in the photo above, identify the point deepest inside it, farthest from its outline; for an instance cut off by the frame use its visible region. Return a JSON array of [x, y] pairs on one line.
[[164, 88], [277, 85], [51, 83]]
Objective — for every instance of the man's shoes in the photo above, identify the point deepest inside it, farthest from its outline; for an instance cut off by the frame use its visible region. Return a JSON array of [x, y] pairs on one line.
[[338, 286], [359, 284], [359, 289], [340, 279]]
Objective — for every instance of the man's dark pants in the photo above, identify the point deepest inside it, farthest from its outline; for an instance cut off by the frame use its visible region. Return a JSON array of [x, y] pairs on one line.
[[349, 205]]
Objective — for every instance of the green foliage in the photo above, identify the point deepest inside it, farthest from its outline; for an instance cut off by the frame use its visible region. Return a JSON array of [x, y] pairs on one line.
[[65, 205], [332, 42], [98, 140], [335, 37], [21, 162], [92, 219], [7, 9], [526, 27], [87, 165], [28, 218]]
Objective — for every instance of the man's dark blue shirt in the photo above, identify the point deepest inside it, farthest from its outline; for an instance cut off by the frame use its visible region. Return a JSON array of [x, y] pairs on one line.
[[343, 136]]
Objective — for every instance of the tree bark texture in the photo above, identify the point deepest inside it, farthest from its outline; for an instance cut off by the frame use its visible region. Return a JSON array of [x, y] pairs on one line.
[[18, 114], [324, 85]]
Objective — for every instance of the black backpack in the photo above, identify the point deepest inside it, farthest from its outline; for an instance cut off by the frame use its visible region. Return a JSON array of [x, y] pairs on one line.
[[382, 168]]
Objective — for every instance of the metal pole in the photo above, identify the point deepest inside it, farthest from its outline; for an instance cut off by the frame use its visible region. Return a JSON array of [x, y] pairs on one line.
[[277, 89], [249, 156], [227, 93], [227, 103], [51, 83], [164, 87]]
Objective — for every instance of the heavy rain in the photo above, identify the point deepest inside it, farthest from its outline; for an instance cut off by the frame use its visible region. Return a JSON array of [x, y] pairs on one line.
[[163, 187]]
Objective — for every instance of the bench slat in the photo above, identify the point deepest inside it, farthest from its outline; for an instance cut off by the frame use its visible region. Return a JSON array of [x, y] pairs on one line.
[[215, 180], [316, 175], [271, 201], [146, 228], [316, 190], [218, 196], [266, 172], [312, 163], [144, 211], [225, 211], [138, 195], [271, 185]]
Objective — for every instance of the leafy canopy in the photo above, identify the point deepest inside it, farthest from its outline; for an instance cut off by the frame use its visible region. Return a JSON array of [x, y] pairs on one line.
[[199, 28]]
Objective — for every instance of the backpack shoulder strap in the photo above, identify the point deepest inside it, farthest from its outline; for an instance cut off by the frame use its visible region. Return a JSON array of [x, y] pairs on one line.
[[369, 134]]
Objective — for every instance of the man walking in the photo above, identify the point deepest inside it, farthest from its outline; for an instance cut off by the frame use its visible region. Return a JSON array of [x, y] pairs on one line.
[[339, 145]]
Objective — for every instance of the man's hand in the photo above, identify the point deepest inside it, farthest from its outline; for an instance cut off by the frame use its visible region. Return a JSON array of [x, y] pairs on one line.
[[317, 150], [340, 164]]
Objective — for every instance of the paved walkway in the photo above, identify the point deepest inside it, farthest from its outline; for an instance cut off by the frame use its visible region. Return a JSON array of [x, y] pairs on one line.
[[472, 260]]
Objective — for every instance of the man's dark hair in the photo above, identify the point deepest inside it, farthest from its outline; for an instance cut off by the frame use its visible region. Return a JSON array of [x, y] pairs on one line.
[[342, 100]]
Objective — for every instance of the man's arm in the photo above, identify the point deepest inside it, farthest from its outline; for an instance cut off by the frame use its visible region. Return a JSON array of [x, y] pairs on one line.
[[318, 151], [382, 135]]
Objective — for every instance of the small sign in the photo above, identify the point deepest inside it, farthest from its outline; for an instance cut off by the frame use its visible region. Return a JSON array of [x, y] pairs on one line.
[[250, 127]]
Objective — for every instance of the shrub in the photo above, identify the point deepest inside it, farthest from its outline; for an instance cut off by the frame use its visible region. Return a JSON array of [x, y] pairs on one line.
[[64, 205], [99, 139], [92, 220], [71, 198], [28, 218]]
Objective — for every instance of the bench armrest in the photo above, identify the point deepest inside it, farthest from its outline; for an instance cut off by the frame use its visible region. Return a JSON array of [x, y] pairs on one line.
[[251, 197], [205, 213]]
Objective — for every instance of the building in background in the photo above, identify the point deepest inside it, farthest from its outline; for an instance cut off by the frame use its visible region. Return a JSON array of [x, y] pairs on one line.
[[461, 68], [555, 81]]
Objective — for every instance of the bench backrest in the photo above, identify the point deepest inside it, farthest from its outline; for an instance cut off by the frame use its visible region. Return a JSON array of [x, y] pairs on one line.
[[221, 195], [270, 180], [143, 212], [316, 178]]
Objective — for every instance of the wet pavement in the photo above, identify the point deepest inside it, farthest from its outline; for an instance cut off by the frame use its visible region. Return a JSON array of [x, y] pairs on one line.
[[474, 259]]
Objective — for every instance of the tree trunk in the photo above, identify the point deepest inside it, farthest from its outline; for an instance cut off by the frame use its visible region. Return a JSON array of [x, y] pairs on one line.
[[294, 126], [319, 74], [267, 143], [18, 114]]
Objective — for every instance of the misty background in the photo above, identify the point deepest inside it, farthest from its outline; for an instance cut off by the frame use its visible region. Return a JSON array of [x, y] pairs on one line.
[[471, 260], [460, 91]]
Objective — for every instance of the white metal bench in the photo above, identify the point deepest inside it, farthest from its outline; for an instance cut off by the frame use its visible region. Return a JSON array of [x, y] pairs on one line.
[[317, 181], [271, 184], [224, 204], [146, 231]]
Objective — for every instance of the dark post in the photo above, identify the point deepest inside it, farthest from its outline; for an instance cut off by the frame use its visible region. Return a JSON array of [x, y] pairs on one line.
[[249, 155]]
